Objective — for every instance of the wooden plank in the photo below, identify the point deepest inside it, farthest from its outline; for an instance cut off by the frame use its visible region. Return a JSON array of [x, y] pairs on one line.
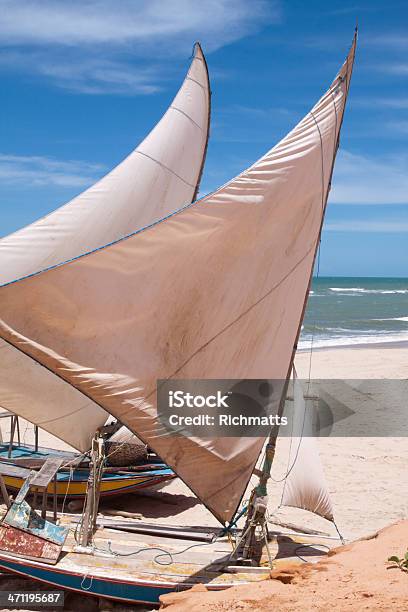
[[159, 530], [23, 492], [47, 472], [7, 469], [22, 516], [27, 545]]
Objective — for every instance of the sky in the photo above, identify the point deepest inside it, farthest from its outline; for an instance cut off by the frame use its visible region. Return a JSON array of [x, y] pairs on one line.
[[84, 81]]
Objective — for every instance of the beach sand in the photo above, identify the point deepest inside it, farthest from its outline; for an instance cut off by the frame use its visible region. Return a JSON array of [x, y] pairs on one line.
[[367, 477], [353, 578]]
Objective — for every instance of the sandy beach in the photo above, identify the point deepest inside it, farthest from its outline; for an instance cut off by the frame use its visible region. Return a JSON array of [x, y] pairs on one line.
[[366, 476]]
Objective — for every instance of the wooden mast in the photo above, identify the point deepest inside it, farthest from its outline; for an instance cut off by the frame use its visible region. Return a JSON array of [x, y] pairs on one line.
[[88, 520], [250, 546]]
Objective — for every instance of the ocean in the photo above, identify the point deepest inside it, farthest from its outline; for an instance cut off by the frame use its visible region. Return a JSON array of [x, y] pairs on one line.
[[352, 310]]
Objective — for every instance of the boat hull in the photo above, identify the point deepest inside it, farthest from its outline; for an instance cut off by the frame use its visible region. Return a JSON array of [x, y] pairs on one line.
[[74, 486], [118, 590], [110, 485], [139, 567]]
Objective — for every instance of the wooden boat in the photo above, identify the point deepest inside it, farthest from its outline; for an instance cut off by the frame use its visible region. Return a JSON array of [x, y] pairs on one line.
[[115, 481], [233, 271], [141, 579]]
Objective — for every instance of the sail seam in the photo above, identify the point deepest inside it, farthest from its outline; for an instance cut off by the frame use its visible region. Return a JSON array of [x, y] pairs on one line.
[[238, 318], [189, 78], [188, 117], [165, 167], [68, 414]]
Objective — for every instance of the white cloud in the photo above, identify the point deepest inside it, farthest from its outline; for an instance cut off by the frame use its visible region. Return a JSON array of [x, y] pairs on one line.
[[38, 171], [360, 179], [391, 102], [85, 75], [90, 22], [111, 43], [397, 68], [393, 40], [396, 103], [384, 226]]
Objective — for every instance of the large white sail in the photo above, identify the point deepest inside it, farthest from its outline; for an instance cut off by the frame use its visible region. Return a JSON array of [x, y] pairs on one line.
[[161, 174], [214, 291], [305, 486]]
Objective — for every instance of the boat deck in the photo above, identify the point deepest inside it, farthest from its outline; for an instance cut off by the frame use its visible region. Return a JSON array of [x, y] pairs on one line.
[[187, 562], [140, 567], [28, 451]]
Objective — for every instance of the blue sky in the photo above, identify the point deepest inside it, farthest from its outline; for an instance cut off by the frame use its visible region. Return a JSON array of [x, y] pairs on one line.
[[84, 81]]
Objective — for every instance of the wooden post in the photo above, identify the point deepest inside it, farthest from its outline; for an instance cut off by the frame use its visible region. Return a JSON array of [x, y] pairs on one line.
[[44, 504], [88, 522], [12, 430], [18, 430], [55, 497], [4, 492]]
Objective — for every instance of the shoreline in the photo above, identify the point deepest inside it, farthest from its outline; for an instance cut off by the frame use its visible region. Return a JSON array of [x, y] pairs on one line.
[[362, 345]]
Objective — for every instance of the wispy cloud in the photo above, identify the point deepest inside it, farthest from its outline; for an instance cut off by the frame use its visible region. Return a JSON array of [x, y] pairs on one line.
[[392, 40], [395, 103], [39, 171], [250, 124], [257, 111], [99, 46], [84, 75], [367, 226], [361, 179], [399, 126], [394, 68], [90, 22]]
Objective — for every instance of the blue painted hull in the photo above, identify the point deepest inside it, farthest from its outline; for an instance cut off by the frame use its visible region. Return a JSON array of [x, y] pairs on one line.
[[133, 592]]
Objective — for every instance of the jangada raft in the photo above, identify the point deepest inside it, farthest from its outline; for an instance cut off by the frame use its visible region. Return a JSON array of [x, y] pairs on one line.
[[215, 290]]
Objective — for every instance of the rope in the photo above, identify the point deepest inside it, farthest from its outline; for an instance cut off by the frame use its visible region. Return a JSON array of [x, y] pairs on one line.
[[284, 479], [90, 582], [162, 551], [71, 475]]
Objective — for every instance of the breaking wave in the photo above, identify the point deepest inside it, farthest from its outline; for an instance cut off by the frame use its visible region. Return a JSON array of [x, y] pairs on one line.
[[362, 290]]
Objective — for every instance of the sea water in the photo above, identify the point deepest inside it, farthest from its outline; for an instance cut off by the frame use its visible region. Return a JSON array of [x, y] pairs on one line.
[[352, 310]]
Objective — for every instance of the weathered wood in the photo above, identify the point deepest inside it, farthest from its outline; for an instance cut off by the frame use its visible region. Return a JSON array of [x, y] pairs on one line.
[[4, 492], [55, 498], [7, 469], [13, 427], [161, 531], [44, 504], [23, 492], [47, 472], [28, 545], [89, 516], [287, 525], [22, 516]]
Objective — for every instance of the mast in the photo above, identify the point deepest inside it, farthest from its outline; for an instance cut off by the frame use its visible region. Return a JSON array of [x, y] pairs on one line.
[[252, 546], [89, 515]]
